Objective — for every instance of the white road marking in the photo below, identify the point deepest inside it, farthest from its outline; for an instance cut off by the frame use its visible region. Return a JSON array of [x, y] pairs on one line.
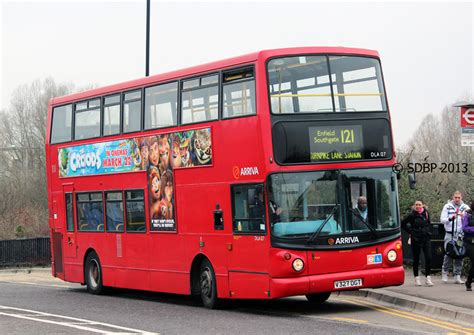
[[73, 323], [38, 284]]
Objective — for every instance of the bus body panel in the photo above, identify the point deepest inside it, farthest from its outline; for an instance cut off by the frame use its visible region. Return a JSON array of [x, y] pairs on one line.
[[284, 287]]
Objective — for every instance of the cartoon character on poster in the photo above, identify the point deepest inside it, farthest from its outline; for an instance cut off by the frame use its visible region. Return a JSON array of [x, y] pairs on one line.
[[154, 153], [136, 155], [166, 204], [63, 157], [176, 161], [154, 192], [144, 153], [164, 149], [184, 149], [202, 147]]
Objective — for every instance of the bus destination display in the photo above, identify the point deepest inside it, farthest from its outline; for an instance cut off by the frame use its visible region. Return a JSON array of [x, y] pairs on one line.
[[329, 143]]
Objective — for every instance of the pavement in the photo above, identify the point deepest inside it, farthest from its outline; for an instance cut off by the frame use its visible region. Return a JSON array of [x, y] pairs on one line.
[[445, 301]]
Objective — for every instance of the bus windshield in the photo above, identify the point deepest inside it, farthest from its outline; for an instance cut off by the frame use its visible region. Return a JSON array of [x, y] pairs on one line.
[[320, 83], [334, 202]]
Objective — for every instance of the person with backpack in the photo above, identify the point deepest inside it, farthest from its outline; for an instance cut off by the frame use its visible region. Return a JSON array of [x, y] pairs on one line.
[[451, 217], [418, 225], [468, 229]]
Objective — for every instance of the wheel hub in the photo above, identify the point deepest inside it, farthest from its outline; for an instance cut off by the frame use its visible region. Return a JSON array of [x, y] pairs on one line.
[[206, 282]]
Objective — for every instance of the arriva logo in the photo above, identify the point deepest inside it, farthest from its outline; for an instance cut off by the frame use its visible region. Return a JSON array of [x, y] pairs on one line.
[[80, 160], [245, 171], [347, 240]]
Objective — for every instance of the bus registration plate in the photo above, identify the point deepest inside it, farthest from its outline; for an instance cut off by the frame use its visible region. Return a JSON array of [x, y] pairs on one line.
[[348, 283]]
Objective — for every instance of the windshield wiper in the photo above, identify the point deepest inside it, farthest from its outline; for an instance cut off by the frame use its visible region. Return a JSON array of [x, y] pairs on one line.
[[318, 231], [361, 219]]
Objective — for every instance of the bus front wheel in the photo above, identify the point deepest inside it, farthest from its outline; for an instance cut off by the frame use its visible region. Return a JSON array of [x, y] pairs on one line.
[[207, 285], [93, 274], [318, 298]]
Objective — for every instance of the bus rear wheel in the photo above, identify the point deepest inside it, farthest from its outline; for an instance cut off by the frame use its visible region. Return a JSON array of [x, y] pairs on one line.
[[207, 285], [93, 274], [318, 298]]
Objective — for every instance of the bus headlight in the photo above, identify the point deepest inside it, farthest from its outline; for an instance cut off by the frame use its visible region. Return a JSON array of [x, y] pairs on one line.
[[298, 264], [392, 255]]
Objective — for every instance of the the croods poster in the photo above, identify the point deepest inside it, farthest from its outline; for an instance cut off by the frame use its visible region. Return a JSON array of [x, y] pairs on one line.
[[167, 152], [159, 155]]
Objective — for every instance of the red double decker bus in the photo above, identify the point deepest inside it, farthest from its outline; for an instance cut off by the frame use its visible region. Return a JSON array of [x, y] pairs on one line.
[[261, 176]]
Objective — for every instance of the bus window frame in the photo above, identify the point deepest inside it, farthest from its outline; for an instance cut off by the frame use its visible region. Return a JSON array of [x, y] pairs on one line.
[[326, 55], [264, 220], [89, 201], [125, 211], [219, 95], [52, 124], [104, 105], [74, 111], [222, 84], [178, 104], [72, 209], [122, 108]]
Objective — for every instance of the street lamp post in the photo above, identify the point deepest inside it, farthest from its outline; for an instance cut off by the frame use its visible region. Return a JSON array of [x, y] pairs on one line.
[[147, 66]]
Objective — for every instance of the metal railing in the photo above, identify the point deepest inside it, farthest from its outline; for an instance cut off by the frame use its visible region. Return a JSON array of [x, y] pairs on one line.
[[29, 251]]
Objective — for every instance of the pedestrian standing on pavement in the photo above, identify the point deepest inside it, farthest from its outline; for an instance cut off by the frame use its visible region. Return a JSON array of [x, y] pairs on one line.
[[418, 225], [468, 229], [451, 216]]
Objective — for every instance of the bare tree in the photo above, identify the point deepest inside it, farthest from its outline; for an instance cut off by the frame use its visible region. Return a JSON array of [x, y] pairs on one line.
[[23, 199], [437, 140]]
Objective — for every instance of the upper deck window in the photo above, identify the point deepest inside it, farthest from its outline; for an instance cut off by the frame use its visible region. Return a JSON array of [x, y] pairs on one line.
[[111, 124], [238, 93], [200, 99], [62, 124], [161, 106], [132, 111], [312, 84], [87, 119]]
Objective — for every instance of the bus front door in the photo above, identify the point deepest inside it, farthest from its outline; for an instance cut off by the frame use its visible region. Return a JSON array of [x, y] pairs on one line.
[[66, 217], [57, 234], [248, 261]]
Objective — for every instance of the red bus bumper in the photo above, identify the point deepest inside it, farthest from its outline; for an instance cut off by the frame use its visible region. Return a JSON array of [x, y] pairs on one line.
[[381, 277]]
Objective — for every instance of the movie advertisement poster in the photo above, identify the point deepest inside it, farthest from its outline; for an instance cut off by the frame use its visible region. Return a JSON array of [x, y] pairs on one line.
[[159, 155], [163, 154], [99, 158]]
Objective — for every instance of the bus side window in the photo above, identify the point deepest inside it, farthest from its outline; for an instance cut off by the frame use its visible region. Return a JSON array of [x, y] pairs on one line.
[[248, 209], [161, 106], [132, 111], [114, 211], [238, 93], [69, 212], [62, 124], [87, 119], [200, 99], [90, 211], [135, 209]]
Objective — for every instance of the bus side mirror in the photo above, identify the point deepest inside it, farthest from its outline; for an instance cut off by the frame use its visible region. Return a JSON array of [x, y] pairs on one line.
[[412, 181], [218, 218]]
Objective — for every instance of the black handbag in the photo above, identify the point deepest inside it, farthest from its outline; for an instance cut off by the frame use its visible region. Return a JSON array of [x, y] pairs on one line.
[[455, 249]]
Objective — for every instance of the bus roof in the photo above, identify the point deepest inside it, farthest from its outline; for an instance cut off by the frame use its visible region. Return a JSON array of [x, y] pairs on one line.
[[199, 69]]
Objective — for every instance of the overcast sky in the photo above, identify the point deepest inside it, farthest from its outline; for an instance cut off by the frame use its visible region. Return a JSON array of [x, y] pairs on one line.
[[426, 48]]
